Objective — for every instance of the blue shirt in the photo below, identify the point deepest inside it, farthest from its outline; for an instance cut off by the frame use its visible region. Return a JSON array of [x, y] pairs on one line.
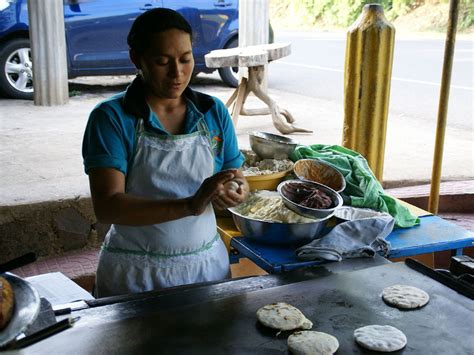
[[109, 139]]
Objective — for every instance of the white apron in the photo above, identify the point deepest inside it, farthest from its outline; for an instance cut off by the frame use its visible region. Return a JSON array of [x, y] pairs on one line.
[[179, 252]]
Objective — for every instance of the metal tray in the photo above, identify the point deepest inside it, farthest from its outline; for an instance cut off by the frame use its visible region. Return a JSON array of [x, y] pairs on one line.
[[27, 306]]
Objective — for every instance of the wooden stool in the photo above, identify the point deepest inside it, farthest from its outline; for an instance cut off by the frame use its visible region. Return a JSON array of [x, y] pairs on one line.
[[254, 58]]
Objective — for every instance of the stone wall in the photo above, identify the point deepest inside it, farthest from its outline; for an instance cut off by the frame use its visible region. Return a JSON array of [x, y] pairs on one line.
[[49, 228]]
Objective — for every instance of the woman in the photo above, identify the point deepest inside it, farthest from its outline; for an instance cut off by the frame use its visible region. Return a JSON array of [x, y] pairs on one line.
[[157, 156]]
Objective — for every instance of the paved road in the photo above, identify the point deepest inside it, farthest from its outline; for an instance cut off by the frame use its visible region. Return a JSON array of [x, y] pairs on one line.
[[317, 62]]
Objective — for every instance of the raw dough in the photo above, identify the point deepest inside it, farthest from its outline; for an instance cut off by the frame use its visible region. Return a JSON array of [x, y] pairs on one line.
[[231, 185], [403, 296], [283, 316], [310, 342], [380, 338]]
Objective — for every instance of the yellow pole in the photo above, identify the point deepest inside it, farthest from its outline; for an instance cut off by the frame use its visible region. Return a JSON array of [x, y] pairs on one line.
[[433, 202], [367, 76]]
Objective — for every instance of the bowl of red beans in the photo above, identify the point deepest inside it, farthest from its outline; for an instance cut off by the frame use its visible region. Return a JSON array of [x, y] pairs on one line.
[[309, 199]]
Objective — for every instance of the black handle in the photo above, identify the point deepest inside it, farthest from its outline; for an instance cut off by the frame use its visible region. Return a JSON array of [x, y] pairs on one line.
[[44, 333], [18, 262], [460, 287]]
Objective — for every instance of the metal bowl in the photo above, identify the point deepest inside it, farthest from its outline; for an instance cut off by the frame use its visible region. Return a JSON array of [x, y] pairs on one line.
[[320, 172], [275, 233], [311, 212], [271, 146]]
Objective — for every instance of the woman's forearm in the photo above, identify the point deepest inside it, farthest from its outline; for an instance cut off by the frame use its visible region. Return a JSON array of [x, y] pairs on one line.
[[125, 209], [113, 205]]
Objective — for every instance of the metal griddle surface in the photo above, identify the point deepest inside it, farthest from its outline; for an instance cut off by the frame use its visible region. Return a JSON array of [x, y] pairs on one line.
[[336, 304]]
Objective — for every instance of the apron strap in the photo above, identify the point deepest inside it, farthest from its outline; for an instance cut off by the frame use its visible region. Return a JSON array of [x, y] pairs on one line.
[[202, 249]]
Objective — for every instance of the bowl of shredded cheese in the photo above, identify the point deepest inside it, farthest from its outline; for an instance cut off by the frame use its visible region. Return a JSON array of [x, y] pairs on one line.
[[264, 174], [265, 218]]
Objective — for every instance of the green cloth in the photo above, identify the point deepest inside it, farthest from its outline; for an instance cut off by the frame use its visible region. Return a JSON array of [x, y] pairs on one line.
[[362, 187]]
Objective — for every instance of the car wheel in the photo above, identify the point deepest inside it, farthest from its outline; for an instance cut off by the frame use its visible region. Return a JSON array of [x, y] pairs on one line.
[[230, 75], [16, 69]]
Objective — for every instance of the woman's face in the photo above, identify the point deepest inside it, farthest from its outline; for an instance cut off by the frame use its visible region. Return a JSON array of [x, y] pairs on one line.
[[167, 64]]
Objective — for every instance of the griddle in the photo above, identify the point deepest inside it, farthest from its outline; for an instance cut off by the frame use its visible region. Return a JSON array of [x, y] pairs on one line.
[[336, 304]]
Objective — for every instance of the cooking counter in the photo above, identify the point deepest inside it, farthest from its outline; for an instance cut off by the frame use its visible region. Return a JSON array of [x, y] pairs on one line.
[[336, 297], [432, 235], [220, 318]]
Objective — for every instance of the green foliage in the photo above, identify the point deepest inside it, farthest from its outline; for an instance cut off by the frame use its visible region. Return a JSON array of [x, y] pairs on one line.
[[342, 13], [401, 7], [331, 12], [345, 12], [466, 14]]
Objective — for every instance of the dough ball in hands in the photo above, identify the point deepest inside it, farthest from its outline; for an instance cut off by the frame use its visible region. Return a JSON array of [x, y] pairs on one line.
[[283, 316], [231, 185], [383, 338], [7, 302], [406, 297], [309, 342]]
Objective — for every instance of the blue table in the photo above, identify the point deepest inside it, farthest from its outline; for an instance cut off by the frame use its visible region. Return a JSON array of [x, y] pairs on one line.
[[433, 234]]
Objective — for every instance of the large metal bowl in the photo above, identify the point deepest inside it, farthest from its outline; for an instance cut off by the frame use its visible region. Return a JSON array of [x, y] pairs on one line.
[[306, 211], [274, 233], [271, 146]]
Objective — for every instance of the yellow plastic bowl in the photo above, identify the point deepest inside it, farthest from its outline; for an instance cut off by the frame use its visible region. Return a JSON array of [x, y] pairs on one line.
[[266, 182]]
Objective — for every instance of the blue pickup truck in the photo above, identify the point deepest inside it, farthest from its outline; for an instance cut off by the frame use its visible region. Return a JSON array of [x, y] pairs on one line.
[[96, 32]]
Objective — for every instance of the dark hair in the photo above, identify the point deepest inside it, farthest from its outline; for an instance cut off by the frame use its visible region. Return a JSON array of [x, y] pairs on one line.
[[155, 21]]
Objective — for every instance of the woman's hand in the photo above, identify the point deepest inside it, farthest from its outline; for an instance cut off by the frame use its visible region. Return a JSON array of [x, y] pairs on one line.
[[209, 190], [235, 192]]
